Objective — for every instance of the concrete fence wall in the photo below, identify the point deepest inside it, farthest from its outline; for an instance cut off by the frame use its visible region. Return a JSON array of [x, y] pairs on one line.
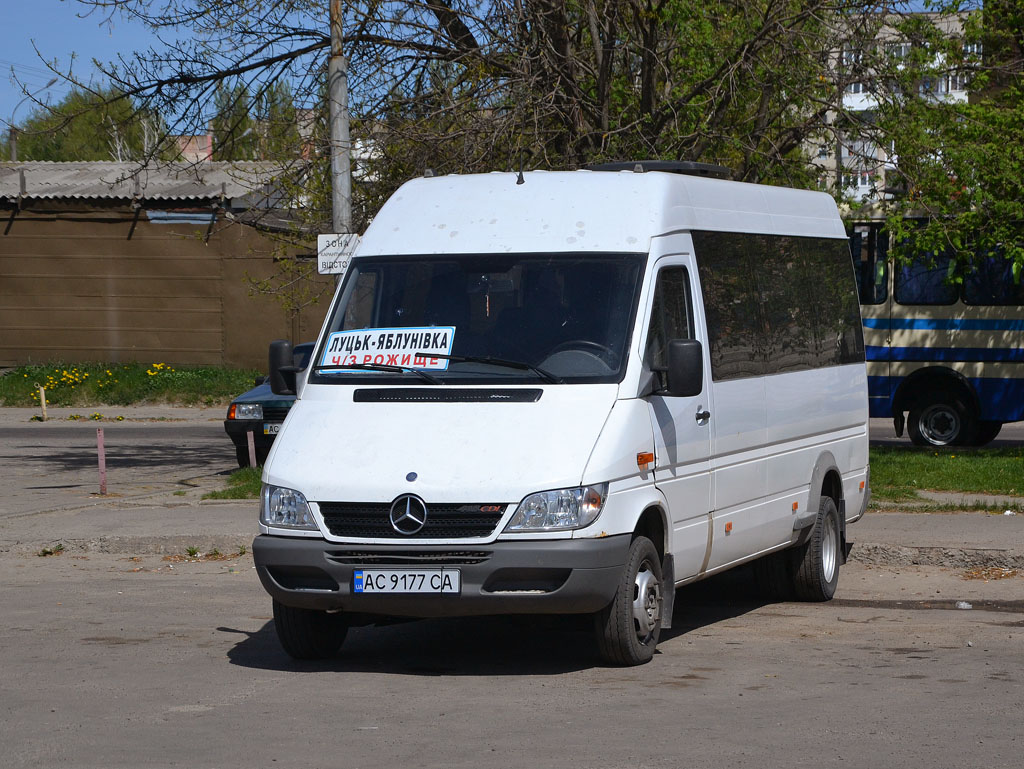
[[107, 285]]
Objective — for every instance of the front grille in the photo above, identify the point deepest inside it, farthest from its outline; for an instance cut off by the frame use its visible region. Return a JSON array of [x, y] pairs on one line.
[[371, 519], [409, 557], [275, 413]]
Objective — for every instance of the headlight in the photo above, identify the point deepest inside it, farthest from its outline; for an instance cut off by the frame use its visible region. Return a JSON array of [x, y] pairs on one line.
[[286, 508], [246, 411], [559, 510]]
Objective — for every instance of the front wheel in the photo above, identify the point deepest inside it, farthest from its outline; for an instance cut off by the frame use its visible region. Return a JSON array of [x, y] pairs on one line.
[[307, 634], [627, 629]]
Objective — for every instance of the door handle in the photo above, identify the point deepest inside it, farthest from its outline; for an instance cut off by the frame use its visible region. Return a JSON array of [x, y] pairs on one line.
[[702, 415]]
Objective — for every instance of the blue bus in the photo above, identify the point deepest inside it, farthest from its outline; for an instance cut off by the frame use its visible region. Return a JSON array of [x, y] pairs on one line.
[[945, 360]]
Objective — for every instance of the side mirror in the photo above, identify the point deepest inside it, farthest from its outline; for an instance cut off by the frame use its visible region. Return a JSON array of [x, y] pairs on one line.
[[282, 368], [685, 367]]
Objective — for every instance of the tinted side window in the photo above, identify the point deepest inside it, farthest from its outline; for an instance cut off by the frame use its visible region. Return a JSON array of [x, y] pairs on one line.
[[671, 315], [826, 306], [777, 303], [731, 304], [924, 282], [991, 282]]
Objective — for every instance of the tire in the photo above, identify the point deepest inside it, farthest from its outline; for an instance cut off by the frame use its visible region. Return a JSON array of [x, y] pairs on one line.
[[941, 419], [627, 629], [306, 634], [986, 432], [816, 562]]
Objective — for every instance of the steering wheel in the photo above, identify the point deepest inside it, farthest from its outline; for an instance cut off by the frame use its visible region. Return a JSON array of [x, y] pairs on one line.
[[586, 344]]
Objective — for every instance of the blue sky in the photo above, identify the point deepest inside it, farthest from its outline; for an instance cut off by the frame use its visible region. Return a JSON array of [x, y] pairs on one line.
[[58, 31]]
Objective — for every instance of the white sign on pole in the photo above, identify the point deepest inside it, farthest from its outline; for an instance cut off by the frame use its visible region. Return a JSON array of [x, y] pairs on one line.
[[333, 252]]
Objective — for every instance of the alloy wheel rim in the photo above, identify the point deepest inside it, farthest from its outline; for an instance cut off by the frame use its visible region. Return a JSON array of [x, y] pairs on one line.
[[829, 550]]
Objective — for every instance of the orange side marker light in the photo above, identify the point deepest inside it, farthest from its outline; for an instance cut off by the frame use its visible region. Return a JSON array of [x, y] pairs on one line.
[[644, 458], [795, 506], [728, 527]]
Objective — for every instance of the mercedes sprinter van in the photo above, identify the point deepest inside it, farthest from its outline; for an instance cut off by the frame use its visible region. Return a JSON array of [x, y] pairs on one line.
[[570, 392]]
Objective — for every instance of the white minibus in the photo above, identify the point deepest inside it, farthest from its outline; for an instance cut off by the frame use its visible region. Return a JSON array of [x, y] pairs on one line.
[[570, 392]]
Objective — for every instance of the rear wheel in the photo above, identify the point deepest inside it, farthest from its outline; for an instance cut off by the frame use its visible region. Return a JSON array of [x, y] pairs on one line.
[[816, 562], [307, 634], [941, 419], [628, 628]]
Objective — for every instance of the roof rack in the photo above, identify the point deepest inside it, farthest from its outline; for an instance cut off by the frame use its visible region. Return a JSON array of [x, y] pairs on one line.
[[687, 167]]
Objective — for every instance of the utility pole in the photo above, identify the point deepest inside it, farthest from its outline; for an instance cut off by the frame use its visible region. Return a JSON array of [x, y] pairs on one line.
[[12, 141], [341, 143]]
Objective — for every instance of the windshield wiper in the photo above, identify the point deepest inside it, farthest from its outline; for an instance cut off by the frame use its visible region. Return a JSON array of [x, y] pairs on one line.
[[547, 376], [381, 367]]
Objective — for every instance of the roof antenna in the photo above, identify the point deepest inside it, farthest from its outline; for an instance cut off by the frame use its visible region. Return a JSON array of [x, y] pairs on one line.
[[519, 178]]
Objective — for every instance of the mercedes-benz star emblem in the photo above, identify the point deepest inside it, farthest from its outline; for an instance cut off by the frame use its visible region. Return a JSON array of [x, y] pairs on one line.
[[408, 514]]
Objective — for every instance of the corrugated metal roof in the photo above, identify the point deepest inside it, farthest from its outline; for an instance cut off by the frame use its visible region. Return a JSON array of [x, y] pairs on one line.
[[35, 180]]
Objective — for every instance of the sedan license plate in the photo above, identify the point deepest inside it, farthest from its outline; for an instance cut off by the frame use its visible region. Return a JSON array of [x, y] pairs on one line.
[[271, 428], [407, 581]]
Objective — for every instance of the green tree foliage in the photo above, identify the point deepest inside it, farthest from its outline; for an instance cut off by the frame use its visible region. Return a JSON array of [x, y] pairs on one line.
[[963, 162], [456, 85], [463, 86], [91, 125], [955, 177], [233, 130]]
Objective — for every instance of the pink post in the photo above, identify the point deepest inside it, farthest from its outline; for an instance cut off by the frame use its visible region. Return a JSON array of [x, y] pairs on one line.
[[103, 461], [252, 449]]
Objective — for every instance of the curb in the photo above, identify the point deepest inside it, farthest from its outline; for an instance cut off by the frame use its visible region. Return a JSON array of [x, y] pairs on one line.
[[868, 554], [176, 544]]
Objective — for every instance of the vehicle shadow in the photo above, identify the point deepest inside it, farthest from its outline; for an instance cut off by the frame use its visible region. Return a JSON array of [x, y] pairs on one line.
[[493, 646], [131, 457]]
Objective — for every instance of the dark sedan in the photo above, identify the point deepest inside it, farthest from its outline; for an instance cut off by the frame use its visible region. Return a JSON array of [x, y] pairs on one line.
[[261, 412]]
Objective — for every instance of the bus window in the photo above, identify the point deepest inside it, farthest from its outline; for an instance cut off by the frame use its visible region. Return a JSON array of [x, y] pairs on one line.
[[924, 282], [991, 282], [867, 246]]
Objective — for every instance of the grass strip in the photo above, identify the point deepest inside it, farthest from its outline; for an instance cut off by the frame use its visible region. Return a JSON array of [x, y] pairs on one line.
[[898, 473], [242, 484], [123, 384]]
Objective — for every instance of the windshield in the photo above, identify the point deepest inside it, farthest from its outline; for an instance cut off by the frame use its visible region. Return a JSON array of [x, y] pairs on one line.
[[482, 318]]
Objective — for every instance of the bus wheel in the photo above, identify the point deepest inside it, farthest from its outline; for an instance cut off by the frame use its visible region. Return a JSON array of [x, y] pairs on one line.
[[627, 629], [940, 419], [986, 432], [307, 634], [817, 560]]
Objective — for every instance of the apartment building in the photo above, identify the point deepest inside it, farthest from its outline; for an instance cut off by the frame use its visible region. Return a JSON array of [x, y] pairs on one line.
[[855, 164]]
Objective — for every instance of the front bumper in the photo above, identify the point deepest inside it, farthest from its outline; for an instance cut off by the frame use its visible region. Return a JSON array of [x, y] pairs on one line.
[[570, 576], [237, 428]]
